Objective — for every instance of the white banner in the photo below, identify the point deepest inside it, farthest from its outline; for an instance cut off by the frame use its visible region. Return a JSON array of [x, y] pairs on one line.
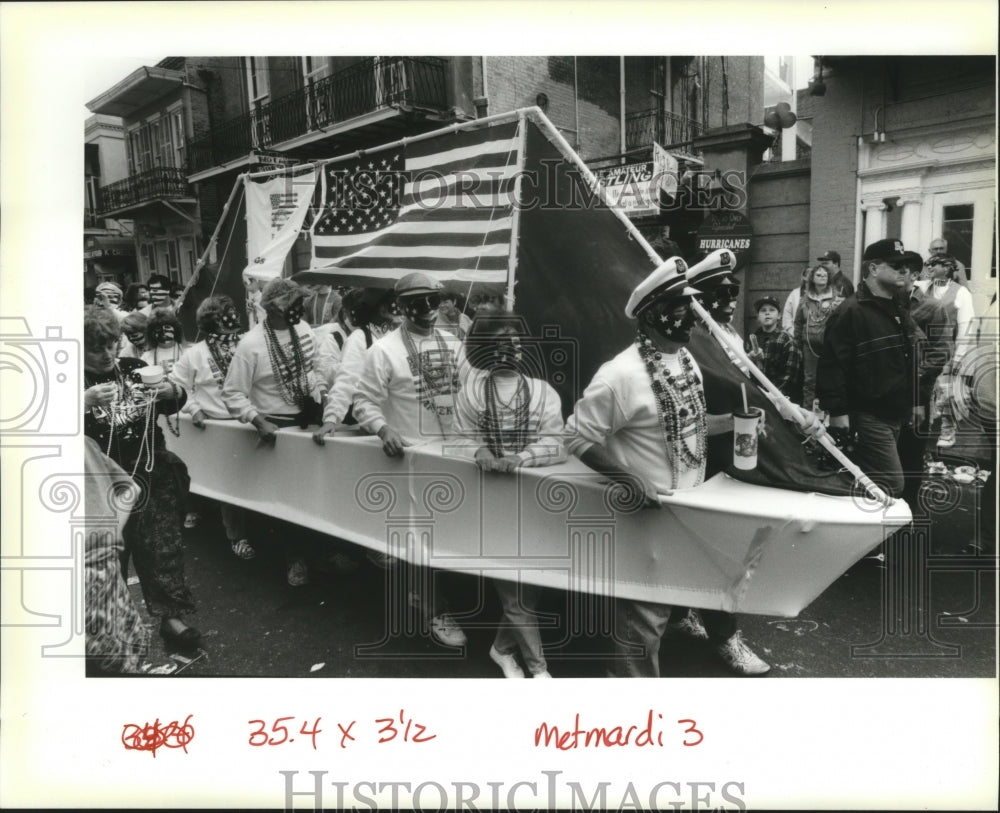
[[275, 211], [665, 169]]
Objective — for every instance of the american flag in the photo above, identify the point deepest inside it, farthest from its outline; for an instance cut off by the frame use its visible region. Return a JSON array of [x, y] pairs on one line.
[[443, 206]]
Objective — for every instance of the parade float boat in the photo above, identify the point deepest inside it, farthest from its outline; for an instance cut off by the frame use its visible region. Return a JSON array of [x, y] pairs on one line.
[[504, 205]]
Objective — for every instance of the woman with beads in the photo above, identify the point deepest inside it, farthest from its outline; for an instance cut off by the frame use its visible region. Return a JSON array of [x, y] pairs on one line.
[[272, 382], [164, 339], [201, 371], [514, 418], [120, 415]]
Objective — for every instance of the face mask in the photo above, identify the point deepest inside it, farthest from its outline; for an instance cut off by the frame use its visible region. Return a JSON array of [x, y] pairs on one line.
[[158, 295], [671, 324], [163, 334], [422, 309], [725, 297], [293, 314]]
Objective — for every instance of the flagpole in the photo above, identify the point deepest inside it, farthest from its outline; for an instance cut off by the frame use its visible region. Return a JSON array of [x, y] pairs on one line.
[[496, 118], [522, 137], [238, 184], [569, 153]]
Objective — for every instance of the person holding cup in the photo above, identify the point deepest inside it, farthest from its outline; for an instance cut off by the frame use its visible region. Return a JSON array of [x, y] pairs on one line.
[[120, 415], [643, 422]]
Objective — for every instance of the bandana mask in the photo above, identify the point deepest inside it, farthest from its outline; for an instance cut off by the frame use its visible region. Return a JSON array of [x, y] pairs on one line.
[[724, 298], [293, 314], [671, 327], [227, 322]]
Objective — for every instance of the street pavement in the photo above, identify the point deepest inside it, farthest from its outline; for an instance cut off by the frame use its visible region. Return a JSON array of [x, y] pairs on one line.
[[922, 605]]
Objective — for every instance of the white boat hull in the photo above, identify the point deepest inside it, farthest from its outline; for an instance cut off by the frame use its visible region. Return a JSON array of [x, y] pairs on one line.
[[724, 545]]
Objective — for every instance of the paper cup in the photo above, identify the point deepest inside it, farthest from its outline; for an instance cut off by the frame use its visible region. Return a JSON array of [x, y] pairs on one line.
[[151, 375], [745, 438]]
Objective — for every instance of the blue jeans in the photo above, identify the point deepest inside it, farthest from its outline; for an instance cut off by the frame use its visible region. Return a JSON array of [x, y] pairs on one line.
[[519, 627], [638, 624], [877, 450]]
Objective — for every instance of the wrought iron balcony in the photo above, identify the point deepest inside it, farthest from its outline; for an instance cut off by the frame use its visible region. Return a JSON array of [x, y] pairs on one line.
[[371, 85], [644, 127], [153, 184]]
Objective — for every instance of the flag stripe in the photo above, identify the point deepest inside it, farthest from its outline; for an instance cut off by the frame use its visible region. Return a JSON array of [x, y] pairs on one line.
[[438, 248], [411, 241], [469, 177], [422, 230], [472, 259]]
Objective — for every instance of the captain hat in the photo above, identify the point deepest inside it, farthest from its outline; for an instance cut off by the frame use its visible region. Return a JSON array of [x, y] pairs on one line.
[[668, 280], [417, 283], [716, 269]]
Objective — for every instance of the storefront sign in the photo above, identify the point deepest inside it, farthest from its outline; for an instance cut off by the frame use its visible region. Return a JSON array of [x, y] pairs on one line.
[[729, 230], [631, 188], [271, 159]]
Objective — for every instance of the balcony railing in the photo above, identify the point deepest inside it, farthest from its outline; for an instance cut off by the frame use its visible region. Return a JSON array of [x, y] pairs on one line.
[[370, 85], [644, 127], [160, 182]]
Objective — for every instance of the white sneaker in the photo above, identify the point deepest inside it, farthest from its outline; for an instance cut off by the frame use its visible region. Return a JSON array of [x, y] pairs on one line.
[[689, 626], [740, 658], [507, 663], [297, 574], [542, 675], [947, 438], [446, 631]]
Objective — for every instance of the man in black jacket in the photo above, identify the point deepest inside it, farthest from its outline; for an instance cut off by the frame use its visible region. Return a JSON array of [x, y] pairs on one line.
[[866, 376]]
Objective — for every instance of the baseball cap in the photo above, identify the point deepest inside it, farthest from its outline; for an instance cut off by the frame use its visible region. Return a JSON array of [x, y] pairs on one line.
[[890, 251], [765, 300], [831, 256]]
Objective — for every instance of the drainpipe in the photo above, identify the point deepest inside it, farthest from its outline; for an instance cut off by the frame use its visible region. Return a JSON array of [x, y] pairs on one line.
[[621, 90], [576, 107], [482, 103]]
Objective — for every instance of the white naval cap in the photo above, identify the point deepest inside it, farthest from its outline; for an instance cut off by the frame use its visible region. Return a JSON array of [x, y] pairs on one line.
[[714, 269], [667, 281]]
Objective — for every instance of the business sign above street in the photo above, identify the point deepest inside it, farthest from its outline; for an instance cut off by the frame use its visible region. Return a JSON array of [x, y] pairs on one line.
[[631, 189], [730, 230]]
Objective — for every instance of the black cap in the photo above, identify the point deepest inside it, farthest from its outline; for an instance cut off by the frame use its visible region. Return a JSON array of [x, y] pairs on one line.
[[765, 300], [832, 256], [890, 251]]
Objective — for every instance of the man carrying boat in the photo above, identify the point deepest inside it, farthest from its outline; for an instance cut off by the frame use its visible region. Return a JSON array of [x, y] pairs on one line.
[[642, 421]]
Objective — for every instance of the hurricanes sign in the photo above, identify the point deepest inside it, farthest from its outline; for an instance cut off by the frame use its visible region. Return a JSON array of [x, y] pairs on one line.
[[729, 230]]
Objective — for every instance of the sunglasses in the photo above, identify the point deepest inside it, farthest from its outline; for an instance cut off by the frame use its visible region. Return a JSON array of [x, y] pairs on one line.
[[424, 302]]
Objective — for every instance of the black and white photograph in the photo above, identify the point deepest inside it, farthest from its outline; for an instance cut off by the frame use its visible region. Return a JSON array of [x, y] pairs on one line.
[[414, 375]]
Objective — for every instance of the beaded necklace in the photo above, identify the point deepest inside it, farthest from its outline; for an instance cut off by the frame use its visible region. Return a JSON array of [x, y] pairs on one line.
[[292, 376], [126, 400], [492, 419], [680, 404]]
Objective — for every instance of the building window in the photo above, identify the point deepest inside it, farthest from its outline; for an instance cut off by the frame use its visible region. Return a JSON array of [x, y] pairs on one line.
[[258, 87], [893, 219], [957, 230]]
